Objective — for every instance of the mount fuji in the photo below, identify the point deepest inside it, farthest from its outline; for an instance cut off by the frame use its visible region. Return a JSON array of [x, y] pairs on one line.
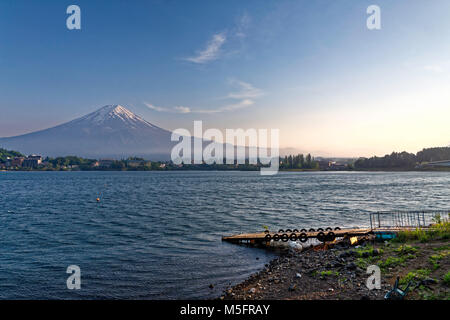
[[110, 132]]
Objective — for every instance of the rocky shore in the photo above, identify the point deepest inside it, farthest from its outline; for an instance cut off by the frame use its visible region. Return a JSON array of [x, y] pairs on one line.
[[334, 272]]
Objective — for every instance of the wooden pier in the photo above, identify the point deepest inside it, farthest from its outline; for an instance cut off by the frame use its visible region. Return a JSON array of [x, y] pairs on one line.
[[384, 225], [324, 235]]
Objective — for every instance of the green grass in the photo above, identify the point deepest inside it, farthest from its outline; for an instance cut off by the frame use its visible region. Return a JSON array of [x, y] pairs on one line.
[[442, 248], [392, 262], [366, 256], [364, 262], [412, 235], [436, 258], [416, 275], [406, 249], [326, 273], [438, 231], [446, 278], [427, 294], [367, 250]]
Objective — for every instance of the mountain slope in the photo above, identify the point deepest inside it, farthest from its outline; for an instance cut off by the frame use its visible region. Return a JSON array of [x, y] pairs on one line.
[[112, 131]]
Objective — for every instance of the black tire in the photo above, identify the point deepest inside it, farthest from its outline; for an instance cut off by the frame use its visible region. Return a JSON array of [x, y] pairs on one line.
[[330, 236], [303, 230], [321, 236], [276, 237], [337, 228], [303, 237], [284, 237], [268, 237], [311, 230], [280, 231], [288, 230], [266, 231], [328, 229], [295, 230], [293, 237], [319, 229]]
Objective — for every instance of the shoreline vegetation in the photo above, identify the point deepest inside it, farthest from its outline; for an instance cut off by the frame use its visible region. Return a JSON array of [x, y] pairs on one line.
[[338, 271], [425, 160]]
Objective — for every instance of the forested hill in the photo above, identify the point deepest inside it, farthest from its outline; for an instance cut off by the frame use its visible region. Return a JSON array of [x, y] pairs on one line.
[[4, 154], [404, 160], [433, 154]]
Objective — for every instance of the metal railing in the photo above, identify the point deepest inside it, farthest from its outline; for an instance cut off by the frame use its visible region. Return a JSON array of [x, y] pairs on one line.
[[407, 219]]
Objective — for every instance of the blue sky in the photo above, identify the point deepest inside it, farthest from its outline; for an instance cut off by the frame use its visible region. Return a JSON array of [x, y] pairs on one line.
[[310, 68]]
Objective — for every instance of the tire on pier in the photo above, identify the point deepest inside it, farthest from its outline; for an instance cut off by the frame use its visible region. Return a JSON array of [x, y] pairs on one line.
[[284, 237], [303, 230], [280, 231], [303, 237], [330, 236], [293, 237], [311, 230], [337, 228], [295, 230], [319, 229], [321, 236], [268, 237], [276, 237], [328, 229], [288, 230]]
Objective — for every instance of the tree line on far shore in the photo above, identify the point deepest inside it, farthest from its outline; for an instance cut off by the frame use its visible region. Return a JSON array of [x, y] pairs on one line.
[[299, 162], [404, 160], [5, 154], [395, 160]]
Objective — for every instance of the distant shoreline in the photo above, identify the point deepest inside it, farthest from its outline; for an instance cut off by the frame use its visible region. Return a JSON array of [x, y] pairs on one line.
[[228, 169]]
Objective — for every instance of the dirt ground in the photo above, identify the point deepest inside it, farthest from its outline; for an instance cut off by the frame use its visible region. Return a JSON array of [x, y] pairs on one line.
[[338, 272]]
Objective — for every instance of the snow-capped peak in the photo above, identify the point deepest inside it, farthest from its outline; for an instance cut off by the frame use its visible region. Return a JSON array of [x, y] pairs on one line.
[[113, 112], [117, 110]]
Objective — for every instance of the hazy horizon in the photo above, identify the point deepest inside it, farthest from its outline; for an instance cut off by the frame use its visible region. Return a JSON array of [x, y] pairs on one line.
[[311, 69], [283, 151]]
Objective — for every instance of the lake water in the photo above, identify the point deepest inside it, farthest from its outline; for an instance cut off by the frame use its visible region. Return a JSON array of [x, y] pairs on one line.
[[157, 235]]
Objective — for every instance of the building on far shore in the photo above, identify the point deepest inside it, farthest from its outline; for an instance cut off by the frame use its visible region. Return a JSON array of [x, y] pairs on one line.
[[17, 161], [95, 164], [338, 166], [324, 164], [137, 163], [32, 161], [8, 162], [105, 163], [443, 163]]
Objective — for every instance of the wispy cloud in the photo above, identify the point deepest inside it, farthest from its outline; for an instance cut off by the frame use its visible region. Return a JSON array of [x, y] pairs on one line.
[[212, 50], [436, 68], [176, 109], [242, 25], [214, 47], [246, 93], [230, 107], [246, 90]]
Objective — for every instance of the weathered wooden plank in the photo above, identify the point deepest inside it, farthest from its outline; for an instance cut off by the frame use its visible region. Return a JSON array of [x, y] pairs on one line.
[[259, 236]]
